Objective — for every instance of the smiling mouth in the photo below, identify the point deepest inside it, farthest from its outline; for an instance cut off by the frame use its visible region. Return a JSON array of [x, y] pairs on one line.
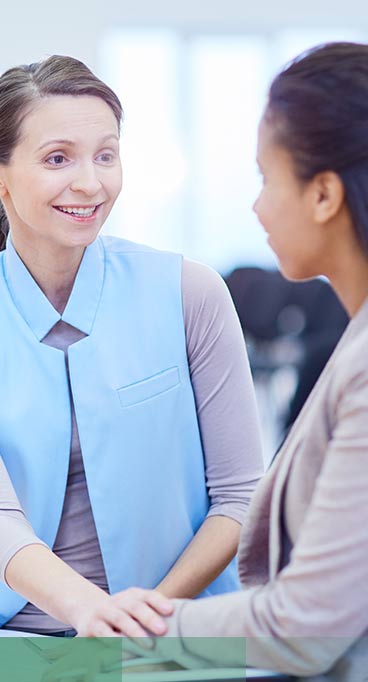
[[78, 211]]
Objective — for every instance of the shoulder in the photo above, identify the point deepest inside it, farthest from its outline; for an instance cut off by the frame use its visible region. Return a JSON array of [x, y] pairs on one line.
[[115, 245], [203, 287], [349, 379], [208, 309], [352, 360], [141, 263]]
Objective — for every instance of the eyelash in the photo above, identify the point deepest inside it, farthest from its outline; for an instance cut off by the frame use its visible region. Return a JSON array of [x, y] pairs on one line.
[[48, 160]]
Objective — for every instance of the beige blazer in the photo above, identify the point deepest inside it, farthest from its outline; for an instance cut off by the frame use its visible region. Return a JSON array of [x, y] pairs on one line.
[[308, 616]]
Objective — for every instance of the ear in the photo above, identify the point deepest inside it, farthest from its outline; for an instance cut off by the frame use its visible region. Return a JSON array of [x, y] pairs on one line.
[[328, 196], [3, 190]]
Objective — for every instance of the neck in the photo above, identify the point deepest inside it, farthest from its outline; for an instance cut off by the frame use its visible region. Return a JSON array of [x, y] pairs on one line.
[[350, 280], [53, 270]]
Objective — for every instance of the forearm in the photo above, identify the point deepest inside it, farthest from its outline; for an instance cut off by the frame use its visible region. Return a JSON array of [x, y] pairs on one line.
[[49, 583], [206, 556]]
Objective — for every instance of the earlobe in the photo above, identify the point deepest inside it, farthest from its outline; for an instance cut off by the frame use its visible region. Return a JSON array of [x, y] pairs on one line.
[[3, 181], [3, 190]]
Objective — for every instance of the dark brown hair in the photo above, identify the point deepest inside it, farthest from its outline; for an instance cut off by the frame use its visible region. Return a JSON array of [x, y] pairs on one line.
[[318, 106], [22, 86]]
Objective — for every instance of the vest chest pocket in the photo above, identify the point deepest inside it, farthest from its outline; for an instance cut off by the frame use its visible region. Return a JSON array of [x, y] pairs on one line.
[[149, 388]]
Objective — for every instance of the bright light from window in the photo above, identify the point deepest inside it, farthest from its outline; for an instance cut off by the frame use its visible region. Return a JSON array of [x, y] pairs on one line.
[[192, 105]]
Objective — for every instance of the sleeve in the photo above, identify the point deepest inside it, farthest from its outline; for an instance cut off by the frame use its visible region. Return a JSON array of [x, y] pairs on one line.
[[310, 615], [223, 391], [15, 531]]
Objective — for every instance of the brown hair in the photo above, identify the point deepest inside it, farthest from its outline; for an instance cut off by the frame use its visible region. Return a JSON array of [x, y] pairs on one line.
[[318, 107], [22, 86]]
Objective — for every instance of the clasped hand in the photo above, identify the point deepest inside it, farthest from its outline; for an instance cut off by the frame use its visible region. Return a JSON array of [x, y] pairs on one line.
[[133, 613]]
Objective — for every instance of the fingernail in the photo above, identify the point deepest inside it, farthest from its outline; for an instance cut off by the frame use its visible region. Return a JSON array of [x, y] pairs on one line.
[[167, 607]]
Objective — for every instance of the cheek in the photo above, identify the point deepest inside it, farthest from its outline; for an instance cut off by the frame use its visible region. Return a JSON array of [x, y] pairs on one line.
[[119, 180], [43, 189], [113, 183]]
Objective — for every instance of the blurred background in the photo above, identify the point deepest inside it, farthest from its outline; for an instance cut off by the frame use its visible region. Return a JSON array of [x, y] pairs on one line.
[[192, 77]]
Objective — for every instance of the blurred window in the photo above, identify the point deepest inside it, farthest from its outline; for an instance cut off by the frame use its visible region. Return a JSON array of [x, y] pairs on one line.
[[192, 103]]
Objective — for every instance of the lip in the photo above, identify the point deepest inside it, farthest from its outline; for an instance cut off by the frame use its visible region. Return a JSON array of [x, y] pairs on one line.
[[77, 205], [79, 219]]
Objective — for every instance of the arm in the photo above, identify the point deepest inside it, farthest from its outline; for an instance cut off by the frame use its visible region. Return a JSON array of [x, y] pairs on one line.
[[42, 578], [306, 619], [228, 424], [30, 568], [211, 549]]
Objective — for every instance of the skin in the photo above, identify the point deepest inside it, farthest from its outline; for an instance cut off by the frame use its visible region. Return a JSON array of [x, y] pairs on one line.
[[308, 224], [43, 174], [68, 156]]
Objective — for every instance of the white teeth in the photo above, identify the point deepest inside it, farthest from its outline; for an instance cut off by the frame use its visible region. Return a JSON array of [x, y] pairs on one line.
[[86, 212]]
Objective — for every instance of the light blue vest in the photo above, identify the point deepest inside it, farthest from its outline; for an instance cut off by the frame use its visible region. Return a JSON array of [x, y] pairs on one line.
[[134, 407]]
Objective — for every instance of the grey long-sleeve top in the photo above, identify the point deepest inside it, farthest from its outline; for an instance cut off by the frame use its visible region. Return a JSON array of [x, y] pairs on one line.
[[228, 424]]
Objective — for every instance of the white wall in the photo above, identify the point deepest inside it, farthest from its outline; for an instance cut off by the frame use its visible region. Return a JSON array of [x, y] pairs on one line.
[[35, 28]]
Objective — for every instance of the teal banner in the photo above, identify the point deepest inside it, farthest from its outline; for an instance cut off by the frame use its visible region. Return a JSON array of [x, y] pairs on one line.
[[52, 659]]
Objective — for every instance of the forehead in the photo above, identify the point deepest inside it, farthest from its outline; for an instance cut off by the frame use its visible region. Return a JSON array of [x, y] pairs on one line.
[[269, 152], [265, 138], [65, 116]]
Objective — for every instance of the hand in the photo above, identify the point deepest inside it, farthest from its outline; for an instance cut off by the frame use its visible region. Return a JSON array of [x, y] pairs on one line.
[[132, 613]]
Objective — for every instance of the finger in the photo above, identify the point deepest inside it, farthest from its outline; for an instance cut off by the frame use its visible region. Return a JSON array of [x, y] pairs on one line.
[[148, 617], [159, 602], [128, 626], [104, 629]]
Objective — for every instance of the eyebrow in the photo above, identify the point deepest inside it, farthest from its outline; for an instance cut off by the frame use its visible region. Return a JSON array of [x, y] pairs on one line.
[[70, 143]]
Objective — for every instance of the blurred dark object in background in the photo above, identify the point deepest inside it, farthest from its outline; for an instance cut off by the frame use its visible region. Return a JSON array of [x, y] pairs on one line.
[[286, 324]]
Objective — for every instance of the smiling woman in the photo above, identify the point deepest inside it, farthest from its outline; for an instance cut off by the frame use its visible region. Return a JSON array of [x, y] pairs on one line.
[[72, 183], [128, 432]]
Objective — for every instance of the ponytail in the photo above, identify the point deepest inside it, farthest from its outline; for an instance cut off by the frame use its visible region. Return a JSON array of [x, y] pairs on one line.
[[4, 227]]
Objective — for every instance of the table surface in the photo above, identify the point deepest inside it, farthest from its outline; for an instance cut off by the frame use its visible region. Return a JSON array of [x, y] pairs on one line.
[[18, 665]]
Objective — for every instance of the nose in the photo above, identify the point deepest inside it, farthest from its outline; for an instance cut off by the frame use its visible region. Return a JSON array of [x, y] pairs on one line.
[[86, 180], [255, 205]]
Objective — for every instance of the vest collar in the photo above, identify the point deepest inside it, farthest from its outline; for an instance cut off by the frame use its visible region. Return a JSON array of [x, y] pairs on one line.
[[37, 310]]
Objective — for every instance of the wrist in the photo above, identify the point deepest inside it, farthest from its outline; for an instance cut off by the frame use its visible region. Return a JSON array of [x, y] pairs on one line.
[[78, 602]]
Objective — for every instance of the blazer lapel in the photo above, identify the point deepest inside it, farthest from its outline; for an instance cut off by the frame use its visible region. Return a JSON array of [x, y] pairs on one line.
[[261, 542], [301, 425]]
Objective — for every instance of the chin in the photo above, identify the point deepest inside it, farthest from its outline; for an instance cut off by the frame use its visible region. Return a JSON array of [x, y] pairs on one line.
[[82, 240], [295, 274]]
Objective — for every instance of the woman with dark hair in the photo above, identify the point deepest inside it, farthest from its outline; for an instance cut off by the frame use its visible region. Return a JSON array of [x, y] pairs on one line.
[[128, 432], [303, 552]]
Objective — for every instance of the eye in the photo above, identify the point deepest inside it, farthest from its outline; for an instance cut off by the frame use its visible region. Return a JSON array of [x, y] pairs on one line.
[[56, 160], [106, 157]]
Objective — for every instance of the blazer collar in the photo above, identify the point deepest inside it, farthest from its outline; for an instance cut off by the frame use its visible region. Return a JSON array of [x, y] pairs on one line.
[[260, 542], [36, 309]]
